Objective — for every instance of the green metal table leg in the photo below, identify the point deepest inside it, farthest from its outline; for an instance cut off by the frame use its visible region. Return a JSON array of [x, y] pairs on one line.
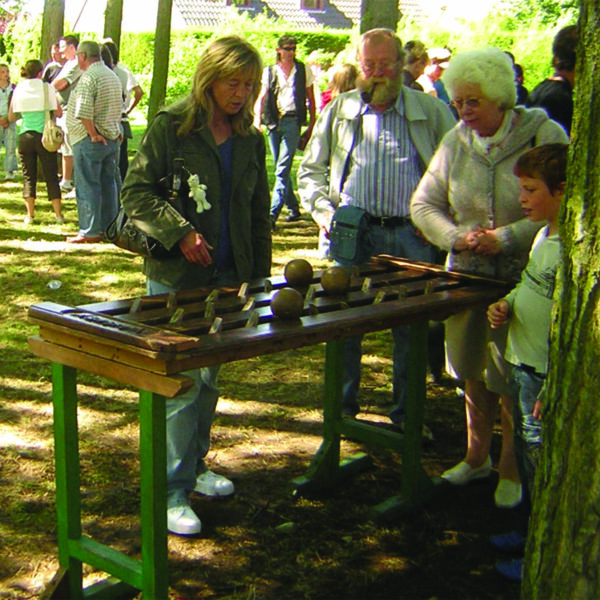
[[66, 457], [417, 487], [153, 492], [326, 467]]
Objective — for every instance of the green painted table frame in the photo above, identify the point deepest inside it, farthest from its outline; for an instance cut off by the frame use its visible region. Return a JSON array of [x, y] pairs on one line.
[[150, 575]]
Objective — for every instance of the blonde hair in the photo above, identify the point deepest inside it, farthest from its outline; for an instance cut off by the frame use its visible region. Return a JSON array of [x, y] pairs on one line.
[[343, 80], [222, 58]]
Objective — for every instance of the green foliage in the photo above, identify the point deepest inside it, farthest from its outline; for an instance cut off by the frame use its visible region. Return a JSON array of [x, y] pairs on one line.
[[527, 35]]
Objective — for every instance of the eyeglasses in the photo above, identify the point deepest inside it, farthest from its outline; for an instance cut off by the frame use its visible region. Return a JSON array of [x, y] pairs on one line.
[[471, 103], [289, 48], [369, 66]]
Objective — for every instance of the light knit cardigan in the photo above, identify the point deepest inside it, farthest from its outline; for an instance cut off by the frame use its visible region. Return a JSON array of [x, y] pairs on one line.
[[465, 187]]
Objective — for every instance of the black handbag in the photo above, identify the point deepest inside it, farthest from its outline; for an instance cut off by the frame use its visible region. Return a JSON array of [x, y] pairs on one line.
[[123, 233]]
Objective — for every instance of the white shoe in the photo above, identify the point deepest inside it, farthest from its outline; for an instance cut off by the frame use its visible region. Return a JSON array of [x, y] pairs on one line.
[[66, 185], [182, 520], [211, 484], [70, 195], [462, 473], [508, 494]]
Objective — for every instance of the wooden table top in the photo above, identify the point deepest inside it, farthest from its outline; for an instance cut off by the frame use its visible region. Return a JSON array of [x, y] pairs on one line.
[[166, 334]]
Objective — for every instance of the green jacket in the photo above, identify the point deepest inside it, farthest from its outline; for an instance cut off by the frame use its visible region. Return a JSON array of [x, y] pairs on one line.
[[144, 198]]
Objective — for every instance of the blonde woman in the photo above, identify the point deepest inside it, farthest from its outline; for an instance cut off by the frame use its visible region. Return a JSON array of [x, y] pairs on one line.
[[223, 234]]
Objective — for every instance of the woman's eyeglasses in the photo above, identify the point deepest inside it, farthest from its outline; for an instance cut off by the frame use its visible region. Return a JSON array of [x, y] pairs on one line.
[[289, 48], [471, 103]]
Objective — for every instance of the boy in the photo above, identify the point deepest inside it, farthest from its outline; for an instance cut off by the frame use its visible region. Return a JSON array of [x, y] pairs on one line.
[[527, 309]]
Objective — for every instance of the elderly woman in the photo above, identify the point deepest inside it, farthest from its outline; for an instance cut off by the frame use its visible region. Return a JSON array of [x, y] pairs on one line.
[[468, 204], [222, 236]]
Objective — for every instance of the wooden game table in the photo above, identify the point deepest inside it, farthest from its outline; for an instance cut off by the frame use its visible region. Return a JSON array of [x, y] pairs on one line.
[[148, 342]]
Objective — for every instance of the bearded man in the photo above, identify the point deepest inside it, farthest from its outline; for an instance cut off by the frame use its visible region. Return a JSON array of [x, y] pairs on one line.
[[369, 149]]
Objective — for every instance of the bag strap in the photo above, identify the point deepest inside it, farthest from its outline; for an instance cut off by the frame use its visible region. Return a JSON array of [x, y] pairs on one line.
[[46, 102]]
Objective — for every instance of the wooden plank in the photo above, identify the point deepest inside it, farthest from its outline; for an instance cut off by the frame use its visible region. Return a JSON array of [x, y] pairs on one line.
[[139, 358], [168, 386], [109, 327], [276, 335], [386, 259]]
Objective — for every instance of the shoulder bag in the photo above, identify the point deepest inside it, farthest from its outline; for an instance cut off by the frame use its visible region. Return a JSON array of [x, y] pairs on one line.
[[53, 135], [123, 233]]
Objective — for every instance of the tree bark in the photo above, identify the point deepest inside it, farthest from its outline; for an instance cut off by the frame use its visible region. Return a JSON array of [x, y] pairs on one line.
[[113, 16], [162, 43], [379, 13], [563, 551], [53, 22]]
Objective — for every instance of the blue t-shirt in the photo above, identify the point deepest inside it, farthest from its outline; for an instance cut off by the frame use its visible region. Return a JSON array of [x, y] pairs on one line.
[[224, 260]]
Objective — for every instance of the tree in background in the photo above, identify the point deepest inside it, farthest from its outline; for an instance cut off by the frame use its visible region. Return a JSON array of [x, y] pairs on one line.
[[563, 552], [162, 45], [113, 16], [53, 23], [378, 13]]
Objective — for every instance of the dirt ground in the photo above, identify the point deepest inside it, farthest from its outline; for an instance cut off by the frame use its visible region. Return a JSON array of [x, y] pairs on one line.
[[265, 543]]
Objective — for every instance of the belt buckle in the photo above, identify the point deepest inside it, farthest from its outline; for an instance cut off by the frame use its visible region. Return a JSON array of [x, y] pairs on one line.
[[386, 221]]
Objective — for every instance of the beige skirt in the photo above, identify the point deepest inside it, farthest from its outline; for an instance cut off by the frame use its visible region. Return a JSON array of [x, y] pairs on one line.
[[476, 351]]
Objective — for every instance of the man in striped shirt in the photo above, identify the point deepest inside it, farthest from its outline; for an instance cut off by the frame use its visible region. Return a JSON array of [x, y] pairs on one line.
[[93, 125], [369, 149]]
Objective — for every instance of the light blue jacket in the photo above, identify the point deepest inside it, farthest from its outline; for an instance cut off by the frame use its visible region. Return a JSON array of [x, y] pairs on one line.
[[324, 167]]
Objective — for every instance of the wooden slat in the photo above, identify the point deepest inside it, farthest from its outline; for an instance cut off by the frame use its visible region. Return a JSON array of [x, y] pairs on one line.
[[168, 386], [109, 327]]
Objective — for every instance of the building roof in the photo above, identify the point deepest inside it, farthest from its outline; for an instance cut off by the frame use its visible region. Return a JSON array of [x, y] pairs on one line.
[[336, 14]]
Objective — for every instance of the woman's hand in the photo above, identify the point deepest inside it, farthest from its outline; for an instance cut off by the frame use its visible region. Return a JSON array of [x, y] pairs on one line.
[[497, 313], [488, 243], [195, 248], [468, 241]]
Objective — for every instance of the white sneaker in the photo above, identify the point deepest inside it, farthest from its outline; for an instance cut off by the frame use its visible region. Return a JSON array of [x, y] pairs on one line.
[[463, 473], [508, 494], [211, 484], [182, 520], [66, 185], [70, 195]]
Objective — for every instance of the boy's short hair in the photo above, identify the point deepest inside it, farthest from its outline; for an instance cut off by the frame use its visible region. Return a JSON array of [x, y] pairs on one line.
[[547, 162]]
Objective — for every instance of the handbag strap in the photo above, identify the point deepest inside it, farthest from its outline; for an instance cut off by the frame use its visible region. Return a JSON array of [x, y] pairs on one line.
[[46, 102]]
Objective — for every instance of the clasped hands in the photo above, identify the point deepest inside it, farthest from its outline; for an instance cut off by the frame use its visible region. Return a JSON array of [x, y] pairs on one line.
[[479, 240]]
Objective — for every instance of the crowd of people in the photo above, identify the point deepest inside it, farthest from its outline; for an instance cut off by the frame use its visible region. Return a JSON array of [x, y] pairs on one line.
[[443, 158], [89, 94]]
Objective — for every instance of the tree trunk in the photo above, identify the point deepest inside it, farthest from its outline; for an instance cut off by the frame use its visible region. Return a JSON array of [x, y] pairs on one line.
[[162, 43], [563, 551], [113, 15], [53, 22], [379, 13]]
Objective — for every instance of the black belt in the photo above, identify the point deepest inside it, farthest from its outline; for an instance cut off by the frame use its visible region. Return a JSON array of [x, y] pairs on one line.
[[288, 114], [389, 221]]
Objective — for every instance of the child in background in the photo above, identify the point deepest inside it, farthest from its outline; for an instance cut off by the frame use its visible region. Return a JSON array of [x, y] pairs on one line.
[[527, 309], [8, 131]]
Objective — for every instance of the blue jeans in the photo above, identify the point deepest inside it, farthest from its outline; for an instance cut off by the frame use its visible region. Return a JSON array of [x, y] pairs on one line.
[[190, 417], [397, 241], [8, 137], [284, 141], [528, 430], [98, 183]]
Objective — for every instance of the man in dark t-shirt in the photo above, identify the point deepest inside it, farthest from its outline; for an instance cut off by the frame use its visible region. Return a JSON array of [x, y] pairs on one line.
[[555, 94]]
